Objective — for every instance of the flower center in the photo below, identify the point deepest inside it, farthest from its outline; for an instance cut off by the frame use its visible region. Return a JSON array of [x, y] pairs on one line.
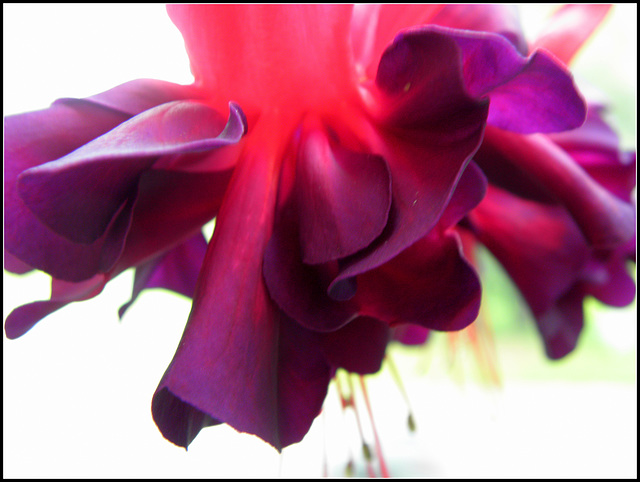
[[287, 58]]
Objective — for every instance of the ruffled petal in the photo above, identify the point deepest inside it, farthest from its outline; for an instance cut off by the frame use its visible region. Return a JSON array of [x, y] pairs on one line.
[[122, 174], [534, 94], [604, 219], [429, 284], [596, 148], [343, 198], [539, 246], [77, 195], [431, 129], [569, 28]]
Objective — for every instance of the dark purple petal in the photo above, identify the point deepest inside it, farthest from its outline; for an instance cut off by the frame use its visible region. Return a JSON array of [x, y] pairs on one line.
[[426, 139], [343, 198], [240, 361], [560, 326], [604, 219], [429, 284], [177, 270], [23, 318], [189, 200], [301, 290], [539, 246], [77, 195], [359, 346]]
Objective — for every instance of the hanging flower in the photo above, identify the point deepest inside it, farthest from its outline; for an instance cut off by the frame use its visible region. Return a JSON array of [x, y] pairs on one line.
[[333, 145]]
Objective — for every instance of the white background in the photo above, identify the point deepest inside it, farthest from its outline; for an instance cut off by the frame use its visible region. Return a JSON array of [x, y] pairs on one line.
[[77, 388]]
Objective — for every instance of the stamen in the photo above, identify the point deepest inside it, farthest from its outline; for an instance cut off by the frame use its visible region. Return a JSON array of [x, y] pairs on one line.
[[383, 466], [396, 377]]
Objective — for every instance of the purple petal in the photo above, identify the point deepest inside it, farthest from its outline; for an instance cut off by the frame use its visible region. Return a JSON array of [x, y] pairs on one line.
[[429, 284], [604, 219], [24, 317], [14, 265], [358, 347], [177, 270], [77, 195], [343, 198], [240, 361]]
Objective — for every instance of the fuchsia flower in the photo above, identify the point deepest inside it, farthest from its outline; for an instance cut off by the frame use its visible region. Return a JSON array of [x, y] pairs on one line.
[[338, 180]]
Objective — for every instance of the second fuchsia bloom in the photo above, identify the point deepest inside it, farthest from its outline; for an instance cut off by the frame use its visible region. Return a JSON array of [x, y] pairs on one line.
[[338, 179]]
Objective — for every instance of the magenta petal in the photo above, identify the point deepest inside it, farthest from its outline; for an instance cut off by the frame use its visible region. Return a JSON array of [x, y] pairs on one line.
[[359, 346], [343, 198], [24, 317], [240, 361], [77, 195], [176, 270], [429, 284]]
